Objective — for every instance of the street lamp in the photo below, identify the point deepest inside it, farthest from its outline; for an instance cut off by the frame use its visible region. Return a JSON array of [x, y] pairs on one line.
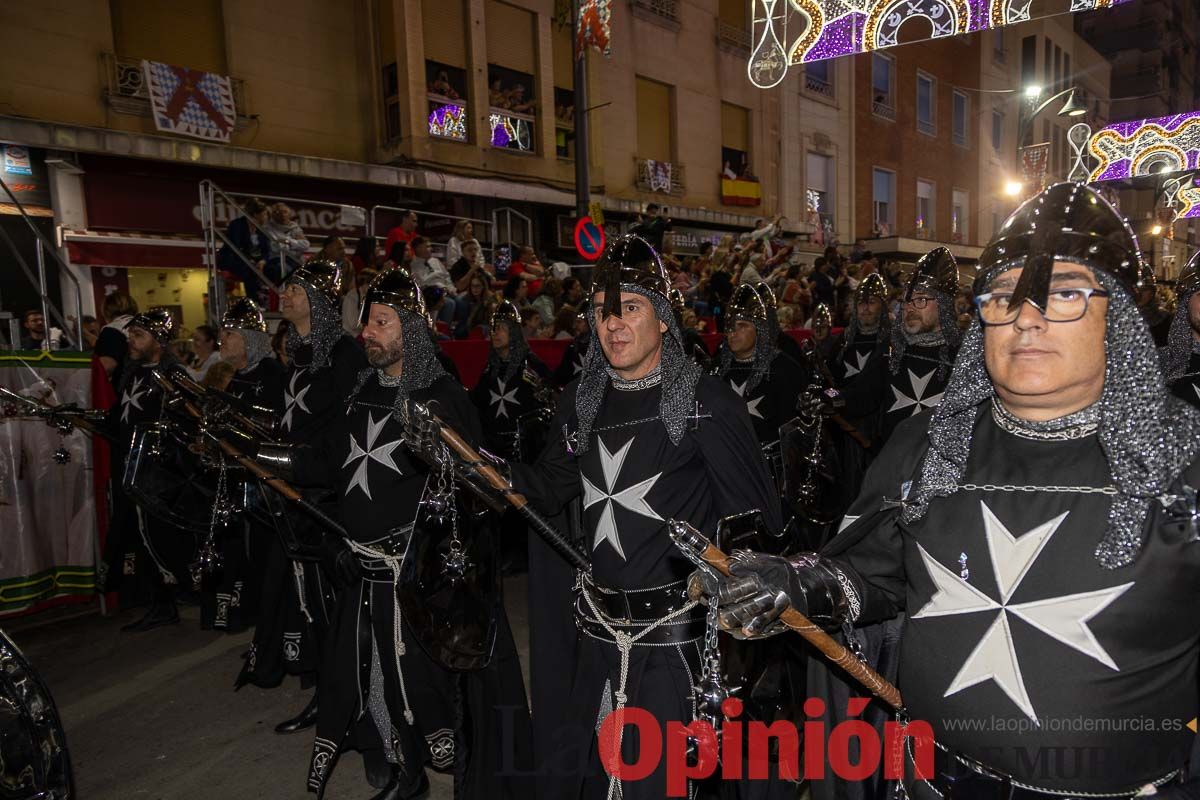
[[1156, 230], [1071, 108], [1013, 188]]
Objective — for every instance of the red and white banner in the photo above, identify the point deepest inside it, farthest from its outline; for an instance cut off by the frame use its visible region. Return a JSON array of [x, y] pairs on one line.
[[190, 102], [1035, 161]]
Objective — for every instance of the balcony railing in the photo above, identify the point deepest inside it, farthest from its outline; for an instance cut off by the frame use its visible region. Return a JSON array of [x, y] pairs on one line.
[[960, 138], [447, 118], [882, 109], [665, 10], [661, 177], [126, 93], [512, 131], [818, 85], [733, 36], [926, 127]]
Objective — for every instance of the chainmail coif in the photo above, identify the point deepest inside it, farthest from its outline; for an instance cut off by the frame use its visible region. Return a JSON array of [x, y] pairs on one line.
[[421, 366], [948, 335], [764, 353], [679, 376], [1148, 437], [258, 347], [324, 329], [1177, 352], [854, 328], [518, 349]]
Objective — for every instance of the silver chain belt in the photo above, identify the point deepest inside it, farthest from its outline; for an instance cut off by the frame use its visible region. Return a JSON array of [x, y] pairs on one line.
[[1006, 487]]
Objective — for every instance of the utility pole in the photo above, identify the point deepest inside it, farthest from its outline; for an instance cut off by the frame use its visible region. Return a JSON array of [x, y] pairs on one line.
[[582, 177]]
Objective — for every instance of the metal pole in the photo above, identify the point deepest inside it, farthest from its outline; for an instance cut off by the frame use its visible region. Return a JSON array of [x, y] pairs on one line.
[[41, 264], [582, 177]]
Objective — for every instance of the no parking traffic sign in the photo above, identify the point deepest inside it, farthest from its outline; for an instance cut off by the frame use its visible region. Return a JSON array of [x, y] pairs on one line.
[[589, 239]]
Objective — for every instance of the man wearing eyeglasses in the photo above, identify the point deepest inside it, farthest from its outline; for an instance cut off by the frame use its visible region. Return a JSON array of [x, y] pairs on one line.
[[1039, 532]]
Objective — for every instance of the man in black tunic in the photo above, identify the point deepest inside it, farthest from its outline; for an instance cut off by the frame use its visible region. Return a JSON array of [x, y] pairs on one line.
[[783, 342], [1039, 528], [512, 389], [645, 438], [380, 690], [230, 599], [1181, 355], [140, 543], [297, 598]]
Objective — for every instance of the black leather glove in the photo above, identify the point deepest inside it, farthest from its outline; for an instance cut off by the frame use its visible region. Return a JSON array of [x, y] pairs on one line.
[[761, 587], [341, 563], [819, 402]]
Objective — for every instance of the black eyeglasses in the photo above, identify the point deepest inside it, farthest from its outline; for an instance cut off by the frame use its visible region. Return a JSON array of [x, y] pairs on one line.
[[919, 302], [1062, 305]]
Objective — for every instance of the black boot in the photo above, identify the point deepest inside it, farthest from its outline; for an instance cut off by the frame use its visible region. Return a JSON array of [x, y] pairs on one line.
[[402, 788], [302, 721], [380, 773], [157, 616]]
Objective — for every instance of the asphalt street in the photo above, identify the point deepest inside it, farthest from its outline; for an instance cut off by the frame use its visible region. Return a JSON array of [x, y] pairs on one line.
[[154, 715]]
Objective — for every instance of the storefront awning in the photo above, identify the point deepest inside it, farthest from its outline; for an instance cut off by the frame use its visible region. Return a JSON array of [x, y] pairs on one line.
[[133, 250]]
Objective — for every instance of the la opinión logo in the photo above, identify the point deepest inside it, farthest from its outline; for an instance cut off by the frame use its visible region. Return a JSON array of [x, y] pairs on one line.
[[692, 748]]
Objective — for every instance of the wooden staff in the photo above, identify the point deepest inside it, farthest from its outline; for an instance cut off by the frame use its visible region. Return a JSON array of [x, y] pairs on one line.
[[694, 543], [559, 543]]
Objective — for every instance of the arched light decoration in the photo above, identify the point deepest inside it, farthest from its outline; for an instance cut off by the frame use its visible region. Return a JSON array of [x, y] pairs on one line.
[[831, 28], [1146, 147]]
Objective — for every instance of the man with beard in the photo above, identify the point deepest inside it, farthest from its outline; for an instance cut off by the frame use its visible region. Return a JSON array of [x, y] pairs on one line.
[[511, 390], [322, 369], [1039, 530], [230, 603], [1181, 356], [645, 437], [784, 343], [826, 344], [867, 336], [381, 692], [925, 340], [138, 543]]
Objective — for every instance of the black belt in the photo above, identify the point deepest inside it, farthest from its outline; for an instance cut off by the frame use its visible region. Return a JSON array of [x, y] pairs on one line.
[[960, 777], [395, 544], [633, 610]]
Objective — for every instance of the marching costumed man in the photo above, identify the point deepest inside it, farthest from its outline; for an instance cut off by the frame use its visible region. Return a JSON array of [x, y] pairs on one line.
[[297, 598], [383, 691], [644, 437], [925, 337], [138, 542], [231, 602], [868, 335], [827, 345], [1039, 530], [786, 344], [511, 391], [693, 342], [572, 359], [1181, 356]]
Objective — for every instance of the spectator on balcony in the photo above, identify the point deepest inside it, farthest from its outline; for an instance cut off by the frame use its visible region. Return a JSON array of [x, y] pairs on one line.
[[405, 232], [497, 97], [352, 300], [400, 256], [464, 232], [469, 266], [33, 335], [564, 323], [750, 272], [652, 225], [427, 271], [91, 331], [573, 294], [796, 293], [287, 242], [441, 85], [517, 101], [333, 250], [112, 345], [727, 172], [531, 324], [527, 264]]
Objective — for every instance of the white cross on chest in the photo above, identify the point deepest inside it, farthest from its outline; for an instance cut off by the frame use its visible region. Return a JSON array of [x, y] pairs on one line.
[[632, 498], [368, 453]]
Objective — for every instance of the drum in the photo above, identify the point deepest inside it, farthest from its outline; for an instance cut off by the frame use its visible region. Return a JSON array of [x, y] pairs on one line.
[[34, 762]]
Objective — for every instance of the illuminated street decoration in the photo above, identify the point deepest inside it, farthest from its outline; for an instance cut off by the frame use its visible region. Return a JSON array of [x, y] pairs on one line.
[[595, 26], [832, 28], [510, 132], [449, 121], [1146, 147]]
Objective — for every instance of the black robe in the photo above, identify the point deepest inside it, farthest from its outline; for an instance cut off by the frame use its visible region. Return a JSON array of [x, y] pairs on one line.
[[917, 385], [633, 480], [572, 360], [229, 599], [142, 549], [507, 408], [297, 597], [472, 725], [1015, 636]]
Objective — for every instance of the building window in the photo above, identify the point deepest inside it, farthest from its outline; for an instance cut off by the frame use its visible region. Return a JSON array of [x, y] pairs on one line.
[[1028, 61], [735, 141], [818, 78], [926, 209], [883, 203], [564, 122], [926, 104], [962, 113], [960, 212], [511, 34], [997, 130], [883, 86], [654, 121], [446, 86], [511, 118], [819, 190], [998, 54]]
